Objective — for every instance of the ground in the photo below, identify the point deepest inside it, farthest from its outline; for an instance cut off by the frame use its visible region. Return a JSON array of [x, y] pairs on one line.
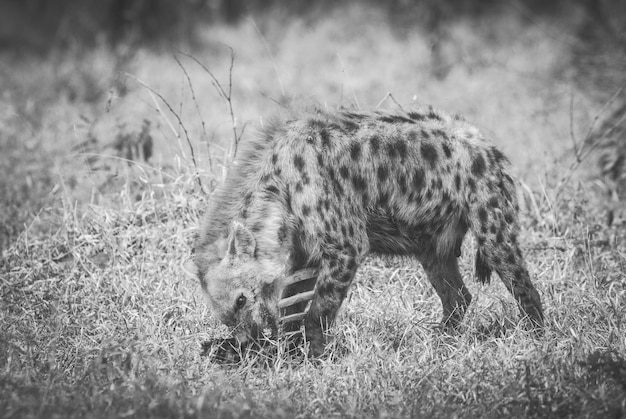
[[97, 318]]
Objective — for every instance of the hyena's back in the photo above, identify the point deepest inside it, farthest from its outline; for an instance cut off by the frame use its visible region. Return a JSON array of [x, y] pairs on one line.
[[418, 179]]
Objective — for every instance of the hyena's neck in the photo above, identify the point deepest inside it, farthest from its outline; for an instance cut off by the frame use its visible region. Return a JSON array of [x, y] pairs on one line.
[[268, 222]]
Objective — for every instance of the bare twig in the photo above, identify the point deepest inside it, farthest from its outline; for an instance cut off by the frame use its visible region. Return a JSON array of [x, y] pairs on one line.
[[180, 122], [195, 101], [393, 99], [581, 155], [225, 94], [571, 125], [269, 52]]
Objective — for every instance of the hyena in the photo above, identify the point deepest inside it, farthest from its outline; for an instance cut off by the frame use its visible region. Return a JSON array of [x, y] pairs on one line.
[[323, 188]]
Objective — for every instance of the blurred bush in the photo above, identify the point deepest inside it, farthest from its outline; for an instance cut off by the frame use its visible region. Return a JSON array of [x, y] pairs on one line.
[[41, 24]]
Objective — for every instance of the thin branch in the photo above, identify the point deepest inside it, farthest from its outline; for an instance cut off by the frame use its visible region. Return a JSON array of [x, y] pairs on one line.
[[269, 52], [180, 122], [227, 96], [582, 156], [571, 126], [389, 96], [195, 101]]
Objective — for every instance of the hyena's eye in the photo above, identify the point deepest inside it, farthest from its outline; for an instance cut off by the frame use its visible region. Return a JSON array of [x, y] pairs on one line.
[[241, 301]]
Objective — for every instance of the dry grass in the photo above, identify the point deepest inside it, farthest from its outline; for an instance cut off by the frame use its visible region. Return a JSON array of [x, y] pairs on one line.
[[96, 318]]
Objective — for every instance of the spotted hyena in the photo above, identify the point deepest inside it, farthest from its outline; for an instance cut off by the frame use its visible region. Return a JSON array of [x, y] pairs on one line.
[[323, 188]]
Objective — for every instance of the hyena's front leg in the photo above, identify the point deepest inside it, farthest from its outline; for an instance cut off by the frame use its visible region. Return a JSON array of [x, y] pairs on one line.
[[336, 273]]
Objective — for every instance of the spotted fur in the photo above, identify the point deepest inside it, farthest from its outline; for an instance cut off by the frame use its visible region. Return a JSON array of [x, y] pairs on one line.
[[323, 188]]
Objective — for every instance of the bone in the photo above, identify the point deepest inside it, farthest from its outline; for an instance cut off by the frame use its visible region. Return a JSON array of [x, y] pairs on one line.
[[296, 316], [303, 296]]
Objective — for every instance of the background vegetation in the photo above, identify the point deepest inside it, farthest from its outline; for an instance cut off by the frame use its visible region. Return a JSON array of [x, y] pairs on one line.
[[117, 120]]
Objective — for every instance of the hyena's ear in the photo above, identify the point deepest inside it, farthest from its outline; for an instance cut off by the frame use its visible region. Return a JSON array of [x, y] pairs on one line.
[[241, 241], [190, 269]]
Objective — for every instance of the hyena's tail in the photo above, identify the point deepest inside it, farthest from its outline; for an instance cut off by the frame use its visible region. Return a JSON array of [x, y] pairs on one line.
[[483, 270], [494, 221]]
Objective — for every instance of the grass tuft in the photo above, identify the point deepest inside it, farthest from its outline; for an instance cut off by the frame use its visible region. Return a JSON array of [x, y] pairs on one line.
[[97, 318]]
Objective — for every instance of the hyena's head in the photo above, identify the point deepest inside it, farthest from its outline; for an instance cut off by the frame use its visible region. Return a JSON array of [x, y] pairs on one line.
[[238, 285]]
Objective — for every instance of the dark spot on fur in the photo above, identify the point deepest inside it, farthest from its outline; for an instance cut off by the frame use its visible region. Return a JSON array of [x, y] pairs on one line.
[[383, 199], [508, 217], [265, 177], [402, 183], [320, 160], [432, 114], [274, 158], [497, 155], [351, 230], [298, 162], [298, 187], [425, 134], [416, 116], [401, 150], [282, 233], [418, 179], [272, 189], [374, 144], [471, 184], [351, 265], [511, 259], [478, 165], [306, 179], [446, 150], [457, 182], [359, 183], [338, 189], [492, 229], [482, 215], [277, 171], [355, 151], [429, 152], [306, 210], [439, 133], [392, 152], [344, 172], [382, 173], [325, 137], [395, 119], [256, 227], [493, 202], [499, 237], [343, 230]]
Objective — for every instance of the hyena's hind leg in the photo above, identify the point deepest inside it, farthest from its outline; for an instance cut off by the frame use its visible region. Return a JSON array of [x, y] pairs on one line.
[[443, 273], [495, 225]]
